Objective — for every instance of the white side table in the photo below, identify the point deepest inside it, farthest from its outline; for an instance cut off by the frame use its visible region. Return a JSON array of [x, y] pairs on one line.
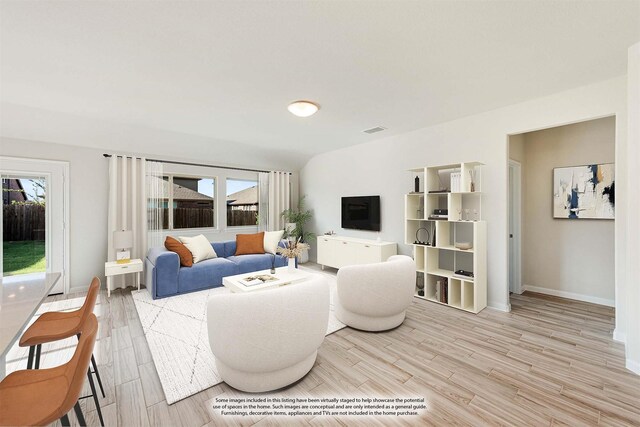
[[114, 269]]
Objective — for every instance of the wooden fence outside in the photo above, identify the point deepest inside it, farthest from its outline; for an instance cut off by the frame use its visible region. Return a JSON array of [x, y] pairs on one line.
[[202, 218], [192, 218], [28, 221], [23, 222], [240, 217]]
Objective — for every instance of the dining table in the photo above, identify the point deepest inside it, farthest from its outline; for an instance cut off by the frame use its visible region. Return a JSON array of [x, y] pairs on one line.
[[20, 298]]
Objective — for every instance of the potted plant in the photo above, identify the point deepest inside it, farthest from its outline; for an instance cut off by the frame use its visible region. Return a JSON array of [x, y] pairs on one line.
[[296, 220]]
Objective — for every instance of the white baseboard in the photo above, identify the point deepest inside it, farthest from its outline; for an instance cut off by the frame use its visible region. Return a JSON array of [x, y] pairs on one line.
[[78, 289], [500, 307], [633, 366], [570, 295], [619, 336]]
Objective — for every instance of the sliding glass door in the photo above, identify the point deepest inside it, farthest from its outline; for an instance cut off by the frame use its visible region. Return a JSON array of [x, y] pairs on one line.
[[24, 224]]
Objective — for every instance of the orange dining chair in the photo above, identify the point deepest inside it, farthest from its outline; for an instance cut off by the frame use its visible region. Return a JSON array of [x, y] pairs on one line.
[[54, 326], [39, 397]]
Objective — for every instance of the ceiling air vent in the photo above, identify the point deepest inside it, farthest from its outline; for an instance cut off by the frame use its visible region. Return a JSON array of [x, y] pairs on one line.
[[374, 130]]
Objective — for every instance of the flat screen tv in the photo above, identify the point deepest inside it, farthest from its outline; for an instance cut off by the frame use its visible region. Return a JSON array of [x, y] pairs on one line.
[[361, 213]]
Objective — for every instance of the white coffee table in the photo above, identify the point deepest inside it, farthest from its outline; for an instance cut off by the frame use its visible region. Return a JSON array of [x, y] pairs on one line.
[[284, 277]]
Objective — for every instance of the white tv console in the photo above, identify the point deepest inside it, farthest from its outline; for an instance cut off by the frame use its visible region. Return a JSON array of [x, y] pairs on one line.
[[338, 251]]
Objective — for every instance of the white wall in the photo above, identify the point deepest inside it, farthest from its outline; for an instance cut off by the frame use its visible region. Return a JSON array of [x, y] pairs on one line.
[[89, 190], [379, 167], [570, 258], [516, 148], [632, 298]]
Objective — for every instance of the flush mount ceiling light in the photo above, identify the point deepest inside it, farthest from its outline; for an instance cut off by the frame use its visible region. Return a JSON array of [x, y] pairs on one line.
[[303, 108]]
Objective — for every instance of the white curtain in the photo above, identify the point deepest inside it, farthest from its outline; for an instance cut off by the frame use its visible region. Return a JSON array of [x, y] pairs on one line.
[[263, 201], [157, 204], [279, 199], [127, 207]]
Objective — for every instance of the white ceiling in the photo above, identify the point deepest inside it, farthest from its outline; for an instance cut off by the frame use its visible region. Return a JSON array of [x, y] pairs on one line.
[[145, 76]]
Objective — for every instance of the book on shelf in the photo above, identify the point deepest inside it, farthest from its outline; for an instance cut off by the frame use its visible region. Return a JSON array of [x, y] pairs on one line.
[[442, 291], [439, 217]]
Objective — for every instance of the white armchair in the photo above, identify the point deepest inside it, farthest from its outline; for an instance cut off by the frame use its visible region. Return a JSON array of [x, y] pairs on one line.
[[266, 340], [375, 297]]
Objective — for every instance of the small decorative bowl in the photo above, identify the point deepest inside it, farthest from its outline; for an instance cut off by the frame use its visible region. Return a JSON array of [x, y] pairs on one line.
[[463, 245]]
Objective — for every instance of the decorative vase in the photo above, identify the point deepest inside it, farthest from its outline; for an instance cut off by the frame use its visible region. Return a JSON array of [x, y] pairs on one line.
[[292, 265], [416, 185]]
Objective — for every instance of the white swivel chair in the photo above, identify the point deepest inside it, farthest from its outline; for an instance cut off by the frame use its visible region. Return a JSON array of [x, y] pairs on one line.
[[266, 340], [375, 297]]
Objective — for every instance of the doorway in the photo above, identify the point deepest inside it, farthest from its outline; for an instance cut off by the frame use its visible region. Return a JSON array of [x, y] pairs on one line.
[[34, 217], [515, 227], [549, 252]]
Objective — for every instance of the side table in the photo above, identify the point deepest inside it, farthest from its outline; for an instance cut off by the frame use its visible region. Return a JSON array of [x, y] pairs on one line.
[[112, 268]]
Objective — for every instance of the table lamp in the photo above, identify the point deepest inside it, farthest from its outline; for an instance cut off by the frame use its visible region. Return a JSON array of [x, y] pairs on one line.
[[123, 240]]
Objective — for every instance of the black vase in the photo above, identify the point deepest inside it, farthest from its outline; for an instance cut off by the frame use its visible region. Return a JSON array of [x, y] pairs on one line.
[[417, 184]]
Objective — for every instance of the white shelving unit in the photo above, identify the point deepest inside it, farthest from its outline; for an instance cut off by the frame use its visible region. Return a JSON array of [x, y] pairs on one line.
[[438, 259]]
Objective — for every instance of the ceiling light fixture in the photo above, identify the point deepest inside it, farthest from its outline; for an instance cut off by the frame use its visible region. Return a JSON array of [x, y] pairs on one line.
[[303, 108]]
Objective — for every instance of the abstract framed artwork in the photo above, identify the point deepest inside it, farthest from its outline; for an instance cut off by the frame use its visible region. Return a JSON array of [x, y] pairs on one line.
[[584, 192]]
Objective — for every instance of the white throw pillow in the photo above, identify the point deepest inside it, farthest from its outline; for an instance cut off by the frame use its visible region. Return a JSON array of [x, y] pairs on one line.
[[271, 240], [199, 247]]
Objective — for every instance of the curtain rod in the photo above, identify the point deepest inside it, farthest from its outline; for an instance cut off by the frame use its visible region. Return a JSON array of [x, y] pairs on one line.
[[199, 164]]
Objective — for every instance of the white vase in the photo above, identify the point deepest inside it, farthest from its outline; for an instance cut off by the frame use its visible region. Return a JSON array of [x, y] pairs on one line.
[[292, 265]]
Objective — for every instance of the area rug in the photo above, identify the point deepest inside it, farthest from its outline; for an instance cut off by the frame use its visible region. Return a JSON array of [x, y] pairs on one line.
[[176, 331]]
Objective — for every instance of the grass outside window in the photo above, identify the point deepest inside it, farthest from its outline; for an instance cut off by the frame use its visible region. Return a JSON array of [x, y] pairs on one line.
[[23, 257]]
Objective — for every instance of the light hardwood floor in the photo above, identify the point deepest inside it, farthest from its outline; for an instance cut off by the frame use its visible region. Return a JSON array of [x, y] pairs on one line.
[[551, 361]]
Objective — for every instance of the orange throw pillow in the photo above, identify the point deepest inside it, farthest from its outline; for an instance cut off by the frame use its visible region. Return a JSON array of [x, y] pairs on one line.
[[250, 243], [174, 245]]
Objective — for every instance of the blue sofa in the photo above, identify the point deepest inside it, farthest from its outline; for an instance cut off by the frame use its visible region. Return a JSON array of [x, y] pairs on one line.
[[165, 277]]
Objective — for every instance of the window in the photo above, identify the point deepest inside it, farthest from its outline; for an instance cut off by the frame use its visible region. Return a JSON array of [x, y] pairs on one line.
[[242, 202], [189, 202], [193, 202]]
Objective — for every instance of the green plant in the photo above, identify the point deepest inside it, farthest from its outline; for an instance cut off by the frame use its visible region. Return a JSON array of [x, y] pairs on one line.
[[300, 217]]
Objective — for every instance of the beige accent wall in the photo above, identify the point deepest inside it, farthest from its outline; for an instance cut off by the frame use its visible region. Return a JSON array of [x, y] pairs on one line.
[[573, 258]]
